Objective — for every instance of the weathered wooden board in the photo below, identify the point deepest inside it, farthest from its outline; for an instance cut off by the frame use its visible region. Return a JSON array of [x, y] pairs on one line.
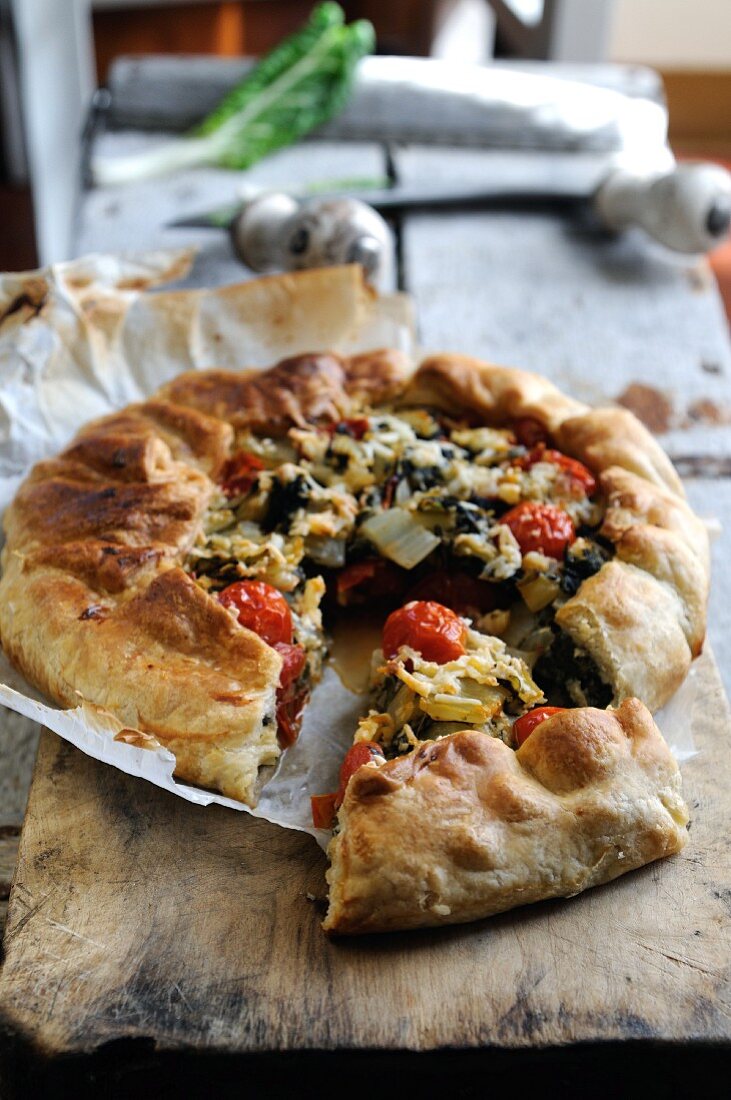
[[18, 741], [9, 839], [134, 914]]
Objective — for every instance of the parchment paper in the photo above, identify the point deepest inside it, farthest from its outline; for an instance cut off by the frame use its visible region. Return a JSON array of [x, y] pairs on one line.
[[80, 339]]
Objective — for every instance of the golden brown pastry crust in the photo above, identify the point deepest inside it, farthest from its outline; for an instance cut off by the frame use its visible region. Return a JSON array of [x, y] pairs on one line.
[[642, 618], [489, 394], [599, 438], [316, 388], [607, 437], [93, 602], [590, 795], [632, 626]]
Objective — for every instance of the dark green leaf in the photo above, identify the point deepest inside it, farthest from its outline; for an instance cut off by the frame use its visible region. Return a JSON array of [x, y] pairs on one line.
[[299, 85]]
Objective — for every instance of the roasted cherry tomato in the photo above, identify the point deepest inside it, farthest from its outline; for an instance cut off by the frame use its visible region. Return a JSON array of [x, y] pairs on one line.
[[289, 717], [374, 578], [529, 431], [293, 662], [240, 473], [323, 810], [325, 806], [459, 592], [362, 752], [523, 727], [291, 697], [356, 427], [540, 527], [580, 478], [261, 608], [428, 627], [264, 610]]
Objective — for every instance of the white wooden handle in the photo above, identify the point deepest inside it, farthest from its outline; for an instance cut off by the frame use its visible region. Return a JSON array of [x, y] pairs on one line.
[[687, 209]]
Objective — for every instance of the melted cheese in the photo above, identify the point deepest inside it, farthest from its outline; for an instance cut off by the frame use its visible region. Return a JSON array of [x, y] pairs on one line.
[[484, 689]]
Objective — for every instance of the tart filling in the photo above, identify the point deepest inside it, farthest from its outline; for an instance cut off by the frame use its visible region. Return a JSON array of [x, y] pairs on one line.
[[436, 676], [415, 699], [402, 504]]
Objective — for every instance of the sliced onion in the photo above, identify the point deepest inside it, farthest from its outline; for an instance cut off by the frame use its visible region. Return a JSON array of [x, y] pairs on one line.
[[538, 591], [403, 492], [326, 551], [398, 536]]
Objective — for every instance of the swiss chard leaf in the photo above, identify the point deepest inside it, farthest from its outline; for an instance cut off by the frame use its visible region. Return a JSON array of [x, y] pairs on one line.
[[298, 85]]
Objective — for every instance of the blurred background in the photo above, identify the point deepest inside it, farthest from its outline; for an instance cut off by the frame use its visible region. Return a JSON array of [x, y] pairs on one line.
[[54, 53]]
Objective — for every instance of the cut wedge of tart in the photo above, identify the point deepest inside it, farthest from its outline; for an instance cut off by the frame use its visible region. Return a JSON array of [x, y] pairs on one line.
[[463, 795]]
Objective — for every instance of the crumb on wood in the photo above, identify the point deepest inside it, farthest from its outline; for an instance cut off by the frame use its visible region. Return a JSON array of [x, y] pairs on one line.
[[706, 411], [649, 404]]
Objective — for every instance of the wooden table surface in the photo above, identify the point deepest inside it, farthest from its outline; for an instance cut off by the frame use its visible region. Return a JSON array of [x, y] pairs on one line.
[[607, 320]]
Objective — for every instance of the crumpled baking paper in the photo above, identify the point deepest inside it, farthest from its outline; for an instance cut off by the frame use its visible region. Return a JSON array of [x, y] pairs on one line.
[[80, 339]]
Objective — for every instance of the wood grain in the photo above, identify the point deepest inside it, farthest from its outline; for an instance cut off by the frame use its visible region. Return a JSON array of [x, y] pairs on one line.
[[134, 914], [9, 840]]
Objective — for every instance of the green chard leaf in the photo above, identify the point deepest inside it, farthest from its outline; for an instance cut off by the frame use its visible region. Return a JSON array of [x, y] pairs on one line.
[[300, 84]]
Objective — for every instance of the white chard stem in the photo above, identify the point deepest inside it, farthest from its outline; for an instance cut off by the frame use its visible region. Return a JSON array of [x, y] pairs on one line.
[[171, 157]]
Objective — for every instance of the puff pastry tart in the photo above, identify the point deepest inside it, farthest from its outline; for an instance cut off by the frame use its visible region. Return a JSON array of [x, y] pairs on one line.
[[169, 565]]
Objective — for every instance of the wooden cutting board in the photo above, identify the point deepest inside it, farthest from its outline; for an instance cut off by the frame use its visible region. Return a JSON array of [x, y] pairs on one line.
[[136, 915]]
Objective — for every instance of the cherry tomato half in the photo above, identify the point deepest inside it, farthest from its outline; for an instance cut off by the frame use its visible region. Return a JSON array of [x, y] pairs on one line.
[[261, 608], [429, 628], [459, 592], [523, 727], [529, 431], [579, 477], [325, 806], [293, 662], [540, 527], [323, 810], [291, 697], [362, 752], [240, 473], [374, 578]]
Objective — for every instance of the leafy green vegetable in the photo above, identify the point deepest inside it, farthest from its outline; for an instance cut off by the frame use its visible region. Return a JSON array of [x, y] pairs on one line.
[[569, 675], [299, 85]]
